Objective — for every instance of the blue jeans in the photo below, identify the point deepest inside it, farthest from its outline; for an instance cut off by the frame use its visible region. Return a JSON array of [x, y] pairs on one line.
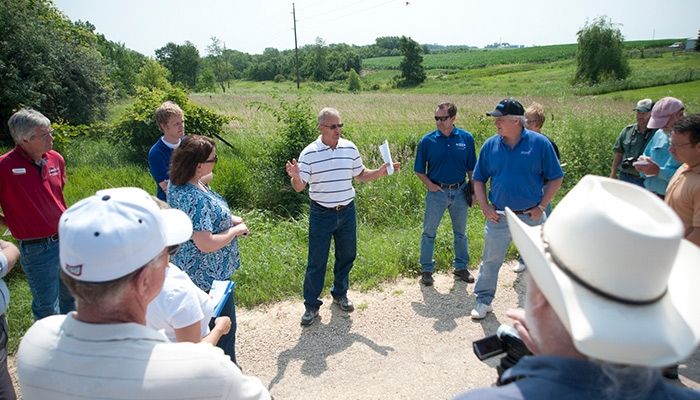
[[41, 264], [227, 343], [455, 202], [623, 176], [325, 224], [496, 242]]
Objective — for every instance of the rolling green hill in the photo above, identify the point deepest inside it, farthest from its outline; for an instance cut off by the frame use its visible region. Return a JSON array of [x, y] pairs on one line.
[[467, 59]]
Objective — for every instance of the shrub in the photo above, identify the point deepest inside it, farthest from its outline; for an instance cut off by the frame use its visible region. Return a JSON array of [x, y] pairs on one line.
[[137, 126], [297, 128], [354, 84]]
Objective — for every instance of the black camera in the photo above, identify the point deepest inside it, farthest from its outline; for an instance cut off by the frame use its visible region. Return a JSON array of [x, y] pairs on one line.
[[506, 340], [627, 162]]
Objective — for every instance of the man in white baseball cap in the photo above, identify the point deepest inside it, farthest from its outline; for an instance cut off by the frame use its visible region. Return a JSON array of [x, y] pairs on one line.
[[612, 297], [114, 249]]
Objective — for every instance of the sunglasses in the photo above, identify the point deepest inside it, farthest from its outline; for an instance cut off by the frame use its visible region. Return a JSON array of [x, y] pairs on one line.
[[442, 119], [173, 249], [333, 127], [213, 160]]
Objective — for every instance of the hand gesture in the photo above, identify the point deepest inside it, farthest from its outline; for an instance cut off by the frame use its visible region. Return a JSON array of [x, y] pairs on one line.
[[292, 168]]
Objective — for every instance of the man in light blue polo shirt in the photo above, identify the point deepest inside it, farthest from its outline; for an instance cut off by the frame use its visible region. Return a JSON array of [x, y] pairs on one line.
[[443, 158], [518, 162]]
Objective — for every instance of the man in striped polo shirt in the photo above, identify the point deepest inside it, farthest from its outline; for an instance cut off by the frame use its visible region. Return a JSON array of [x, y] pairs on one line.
[[328, 165]]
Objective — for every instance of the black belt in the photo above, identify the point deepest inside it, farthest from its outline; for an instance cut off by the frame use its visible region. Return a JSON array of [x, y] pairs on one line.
[[519, 211], [334, 208], [51, 238], [449, 185]]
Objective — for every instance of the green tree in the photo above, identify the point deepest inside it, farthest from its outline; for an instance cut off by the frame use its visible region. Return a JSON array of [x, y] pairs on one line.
[[49, 63], [600, 55], [317, 61], [412, 71], [153, 76], [354, 84], [222, 70], [182, 61], [697, 42]]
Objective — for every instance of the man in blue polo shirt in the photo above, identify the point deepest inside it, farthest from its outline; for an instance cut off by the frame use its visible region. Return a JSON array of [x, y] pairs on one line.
[[518, 162], [443, 158]]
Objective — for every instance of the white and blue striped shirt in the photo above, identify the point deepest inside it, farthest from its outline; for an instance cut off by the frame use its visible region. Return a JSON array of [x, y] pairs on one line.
[[329, 172]]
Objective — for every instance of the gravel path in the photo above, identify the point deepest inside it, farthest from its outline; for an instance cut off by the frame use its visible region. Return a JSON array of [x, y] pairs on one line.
[[404, 341]]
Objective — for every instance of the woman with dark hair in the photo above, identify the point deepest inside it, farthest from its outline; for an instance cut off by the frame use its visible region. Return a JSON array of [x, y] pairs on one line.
[[212, 253]]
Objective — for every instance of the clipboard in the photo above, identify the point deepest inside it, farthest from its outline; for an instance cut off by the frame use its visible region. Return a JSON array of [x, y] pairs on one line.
[[220, 292]]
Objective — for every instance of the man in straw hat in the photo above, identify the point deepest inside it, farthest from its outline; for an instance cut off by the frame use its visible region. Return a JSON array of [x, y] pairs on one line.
[[114, 249], [612, 296]]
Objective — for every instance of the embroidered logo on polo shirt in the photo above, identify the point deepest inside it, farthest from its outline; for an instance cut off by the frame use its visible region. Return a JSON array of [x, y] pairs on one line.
[[461, 146], [53, 171], [19, 171], [75, 270]]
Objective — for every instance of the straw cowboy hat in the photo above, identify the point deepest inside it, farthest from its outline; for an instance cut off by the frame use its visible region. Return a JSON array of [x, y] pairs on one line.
[[612, 262]]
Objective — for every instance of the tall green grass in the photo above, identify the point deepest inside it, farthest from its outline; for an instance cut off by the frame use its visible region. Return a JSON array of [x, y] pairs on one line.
[[390, 210]]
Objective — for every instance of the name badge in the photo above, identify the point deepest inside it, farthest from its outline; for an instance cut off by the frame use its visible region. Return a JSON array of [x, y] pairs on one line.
[[19, 171]]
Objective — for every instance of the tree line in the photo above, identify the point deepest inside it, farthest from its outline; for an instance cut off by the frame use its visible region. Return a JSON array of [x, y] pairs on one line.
[[71, 73]]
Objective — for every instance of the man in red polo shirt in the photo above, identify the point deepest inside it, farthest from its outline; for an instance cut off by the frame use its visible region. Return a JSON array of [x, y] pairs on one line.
[[32, 177]]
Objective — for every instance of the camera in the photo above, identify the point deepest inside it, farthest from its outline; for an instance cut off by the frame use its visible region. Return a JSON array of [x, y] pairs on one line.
[[506, 340], [627, 162]]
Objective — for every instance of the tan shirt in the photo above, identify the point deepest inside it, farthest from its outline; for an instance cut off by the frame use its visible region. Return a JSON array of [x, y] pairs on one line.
[[683, 196]]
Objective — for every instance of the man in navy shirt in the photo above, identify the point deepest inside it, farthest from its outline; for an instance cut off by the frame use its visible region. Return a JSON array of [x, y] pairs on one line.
[[171, 121], [443, 158], [518, 162]]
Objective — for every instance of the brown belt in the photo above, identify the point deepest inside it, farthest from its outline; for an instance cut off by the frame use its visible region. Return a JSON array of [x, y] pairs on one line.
[[51, 238]]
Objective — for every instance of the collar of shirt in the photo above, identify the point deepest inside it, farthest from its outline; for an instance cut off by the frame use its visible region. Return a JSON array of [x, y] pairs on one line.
[[171, 145], [109, 332]]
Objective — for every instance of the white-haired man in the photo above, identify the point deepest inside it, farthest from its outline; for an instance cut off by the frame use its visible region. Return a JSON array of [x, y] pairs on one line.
[[32, 176], [525, 175], [115, 247], [329, 165], [611, 298]]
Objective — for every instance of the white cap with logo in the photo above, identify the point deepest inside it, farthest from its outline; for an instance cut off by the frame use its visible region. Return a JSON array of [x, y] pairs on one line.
[[115, 232]]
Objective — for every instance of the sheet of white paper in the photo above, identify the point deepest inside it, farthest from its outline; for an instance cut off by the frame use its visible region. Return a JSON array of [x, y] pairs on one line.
[[386, 156]]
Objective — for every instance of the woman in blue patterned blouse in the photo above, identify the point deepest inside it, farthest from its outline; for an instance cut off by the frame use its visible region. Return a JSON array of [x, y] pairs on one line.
[[212, 253]]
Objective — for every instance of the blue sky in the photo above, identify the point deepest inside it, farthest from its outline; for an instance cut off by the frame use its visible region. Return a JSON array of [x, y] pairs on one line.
[[253, 25]]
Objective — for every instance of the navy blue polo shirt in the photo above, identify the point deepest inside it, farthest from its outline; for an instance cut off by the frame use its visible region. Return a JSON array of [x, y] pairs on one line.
[[517, 175], [446, 159]]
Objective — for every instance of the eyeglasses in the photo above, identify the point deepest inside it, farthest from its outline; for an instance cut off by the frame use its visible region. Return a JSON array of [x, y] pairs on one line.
[[442, 119], [213, 160], [173, 249], [678, 146], [42, 135], [333, 127]]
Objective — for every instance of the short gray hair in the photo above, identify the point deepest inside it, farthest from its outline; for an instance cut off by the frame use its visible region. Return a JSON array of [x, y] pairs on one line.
[[23, 123], [103, 294], [326, 112]]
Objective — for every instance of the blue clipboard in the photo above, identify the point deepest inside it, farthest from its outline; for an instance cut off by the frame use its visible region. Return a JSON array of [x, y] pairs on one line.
[[220, 292]]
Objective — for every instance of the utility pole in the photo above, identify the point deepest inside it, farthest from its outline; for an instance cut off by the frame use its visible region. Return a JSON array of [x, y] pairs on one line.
[[296, 50]]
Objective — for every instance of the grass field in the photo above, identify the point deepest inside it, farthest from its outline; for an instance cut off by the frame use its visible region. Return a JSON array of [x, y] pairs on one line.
[[389, 210]]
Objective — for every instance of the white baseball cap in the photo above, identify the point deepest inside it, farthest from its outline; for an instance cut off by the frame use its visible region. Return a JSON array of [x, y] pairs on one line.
[[613, 264], [115, 232]]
